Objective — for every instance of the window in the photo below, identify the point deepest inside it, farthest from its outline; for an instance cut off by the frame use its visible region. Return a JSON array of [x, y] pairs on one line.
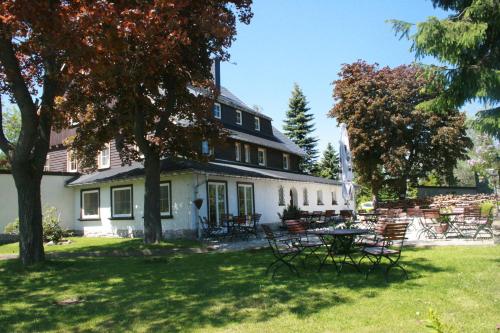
[[286, 161], [262, 156], [239, 118], [217, 199], [89, 201], [46, 167], [334, 198], [121, 202], [165, 199], [305, 195], [217, 111], [257, 123], [247, 153], [237, 151], [281, 196], [104, 158], [211, 151], [245, 199], [72, 163], [320, 197]]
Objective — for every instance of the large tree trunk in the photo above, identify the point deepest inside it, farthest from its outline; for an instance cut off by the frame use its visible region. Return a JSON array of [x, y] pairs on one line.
[[152, 215], [28, 182]]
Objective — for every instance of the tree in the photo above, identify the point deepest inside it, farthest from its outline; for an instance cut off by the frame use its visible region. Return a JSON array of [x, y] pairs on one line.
[[41, 46], [468, 42], [392, 142], [150, 86], [328, 166], [298, 127], [11, 127]]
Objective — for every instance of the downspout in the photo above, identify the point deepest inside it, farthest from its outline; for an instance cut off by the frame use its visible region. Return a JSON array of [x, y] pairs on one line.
[[196, 196]]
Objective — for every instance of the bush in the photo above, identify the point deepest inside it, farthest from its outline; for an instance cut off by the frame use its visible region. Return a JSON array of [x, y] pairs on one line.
[[291, 213], [52, 231], [12, 228], [486, 207]]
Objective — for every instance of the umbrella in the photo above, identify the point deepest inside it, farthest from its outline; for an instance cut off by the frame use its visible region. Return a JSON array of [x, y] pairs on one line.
[[346, 165]]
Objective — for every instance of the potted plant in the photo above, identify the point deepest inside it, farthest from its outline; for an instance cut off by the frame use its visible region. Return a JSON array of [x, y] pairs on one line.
[[444, 224]]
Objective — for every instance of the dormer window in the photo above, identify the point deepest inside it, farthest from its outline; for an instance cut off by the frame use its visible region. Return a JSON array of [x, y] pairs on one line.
[[247, 153], [72, 162], [239, 118], [104, 158], [237, 151], [286, 161], [261, 156], [257, 123], [217, 111]]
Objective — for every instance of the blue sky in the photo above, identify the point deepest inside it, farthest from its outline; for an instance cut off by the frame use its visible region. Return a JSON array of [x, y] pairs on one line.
[[306, 42]]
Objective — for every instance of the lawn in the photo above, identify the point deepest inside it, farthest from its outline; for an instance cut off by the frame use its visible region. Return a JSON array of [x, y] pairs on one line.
[[103, 245], [229, 292]]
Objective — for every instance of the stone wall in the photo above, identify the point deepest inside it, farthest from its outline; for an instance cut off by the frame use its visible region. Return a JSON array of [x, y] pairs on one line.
[[440, 201]]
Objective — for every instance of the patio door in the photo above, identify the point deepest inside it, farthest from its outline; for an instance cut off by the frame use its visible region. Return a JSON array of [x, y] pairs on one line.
[[217, 201], [245, 199]]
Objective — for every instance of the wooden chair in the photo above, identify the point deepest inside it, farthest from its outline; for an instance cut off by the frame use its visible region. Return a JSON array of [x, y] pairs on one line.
[[429, 224], [307, 242], [390, 248], [484, 224], [211, 230], [284, 249], [415, 215]]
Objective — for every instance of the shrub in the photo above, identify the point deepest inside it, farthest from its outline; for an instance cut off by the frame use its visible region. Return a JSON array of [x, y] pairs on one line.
[[52, 231], [291, 212], [486, 207], [12, 228]]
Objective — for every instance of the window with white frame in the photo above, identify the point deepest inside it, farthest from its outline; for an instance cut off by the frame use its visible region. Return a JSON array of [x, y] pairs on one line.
[[286, 161], [239, 117], [90, 200], [121, 202], [245, 199], [247, 153], [334, 198], [217, 111], [72, 162], [281, 195], [305, 197], [237, 151], [257, 123], [165, 199], [319, 194], [261, 153], [46, 167], [104, 158]]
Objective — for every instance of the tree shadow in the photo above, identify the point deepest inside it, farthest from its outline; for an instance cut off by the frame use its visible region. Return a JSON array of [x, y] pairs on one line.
[[178, 292]]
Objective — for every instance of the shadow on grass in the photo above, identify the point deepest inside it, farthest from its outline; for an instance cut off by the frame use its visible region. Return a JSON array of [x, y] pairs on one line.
[[177, 293]]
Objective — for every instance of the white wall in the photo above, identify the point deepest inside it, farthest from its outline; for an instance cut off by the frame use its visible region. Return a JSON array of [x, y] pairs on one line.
[[182, 208], [267, 199], [53, 194]]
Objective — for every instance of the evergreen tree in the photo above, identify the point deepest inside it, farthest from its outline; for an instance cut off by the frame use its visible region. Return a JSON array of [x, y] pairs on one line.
[[328, 166], [298, 127]]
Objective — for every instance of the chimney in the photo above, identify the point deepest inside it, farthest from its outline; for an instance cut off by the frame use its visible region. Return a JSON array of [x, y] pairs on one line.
[[216, 72]]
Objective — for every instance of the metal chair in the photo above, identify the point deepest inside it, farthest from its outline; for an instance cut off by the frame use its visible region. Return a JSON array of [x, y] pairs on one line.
[[391, 244], [284, 249], [307, 242], [429, 223], [211, 230]]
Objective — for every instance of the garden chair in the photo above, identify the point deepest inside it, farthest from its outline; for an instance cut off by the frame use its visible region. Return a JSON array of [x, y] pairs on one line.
[[329, 215], [346, 215], [284, 249], [307, 242], [429, 224], [415, 215], [390, 247], [484, 225], [211, 231]]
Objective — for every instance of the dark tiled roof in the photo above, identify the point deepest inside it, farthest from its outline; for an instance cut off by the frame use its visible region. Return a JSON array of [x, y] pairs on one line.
[[228, 98], [279, 142], [136, 170]]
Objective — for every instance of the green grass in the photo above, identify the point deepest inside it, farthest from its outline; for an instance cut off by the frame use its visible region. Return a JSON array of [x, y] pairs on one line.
[[102, 244], [229, 292]]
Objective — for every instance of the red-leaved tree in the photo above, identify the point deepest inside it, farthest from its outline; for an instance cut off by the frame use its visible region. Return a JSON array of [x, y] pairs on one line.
[[42, 45], [150, 86]]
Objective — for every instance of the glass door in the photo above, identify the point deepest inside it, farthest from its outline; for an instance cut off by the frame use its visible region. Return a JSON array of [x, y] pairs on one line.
[[245, 199], [216, 201]]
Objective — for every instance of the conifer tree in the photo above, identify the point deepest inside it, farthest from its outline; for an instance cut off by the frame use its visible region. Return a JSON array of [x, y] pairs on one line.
[[299, 126], [328, 166]]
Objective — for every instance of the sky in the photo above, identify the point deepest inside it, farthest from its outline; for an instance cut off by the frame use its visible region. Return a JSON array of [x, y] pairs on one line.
[[307, 42]]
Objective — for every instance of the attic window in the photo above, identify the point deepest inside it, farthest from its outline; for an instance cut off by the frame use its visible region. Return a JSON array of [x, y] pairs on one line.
[[217, 111], [257, 123], [239, 119]]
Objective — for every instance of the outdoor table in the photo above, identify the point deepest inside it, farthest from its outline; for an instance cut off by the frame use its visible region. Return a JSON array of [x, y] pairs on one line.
[[338, 242], [370, 219], [453, 225]]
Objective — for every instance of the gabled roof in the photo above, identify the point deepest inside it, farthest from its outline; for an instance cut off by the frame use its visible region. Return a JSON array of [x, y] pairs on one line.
[[136, 170]]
